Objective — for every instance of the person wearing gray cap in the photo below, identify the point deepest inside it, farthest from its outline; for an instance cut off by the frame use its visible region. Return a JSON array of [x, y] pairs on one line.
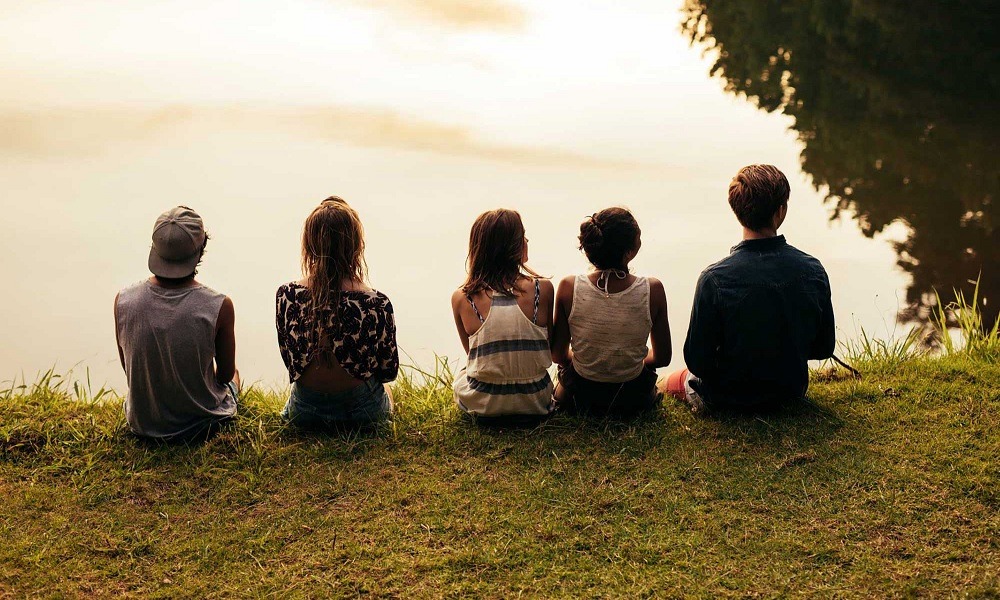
[[176, 338]]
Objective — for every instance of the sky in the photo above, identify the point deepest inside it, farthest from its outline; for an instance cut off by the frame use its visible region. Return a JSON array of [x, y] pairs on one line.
[[582, 75], [420, 113]]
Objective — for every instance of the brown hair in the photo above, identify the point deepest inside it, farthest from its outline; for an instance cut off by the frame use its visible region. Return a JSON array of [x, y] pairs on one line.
[[496, 253], [333, 247], [607, 236], [756, 193]]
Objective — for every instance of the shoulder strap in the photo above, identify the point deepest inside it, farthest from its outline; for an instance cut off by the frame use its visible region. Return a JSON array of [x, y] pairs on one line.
[[475, 310], [534, 316]]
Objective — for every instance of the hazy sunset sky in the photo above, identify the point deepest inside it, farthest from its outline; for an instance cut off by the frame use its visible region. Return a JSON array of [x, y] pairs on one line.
[[579, 78], [422, 113]]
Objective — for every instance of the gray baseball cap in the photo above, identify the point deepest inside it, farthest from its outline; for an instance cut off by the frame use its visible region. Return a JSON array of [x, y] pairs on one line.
[[178, 240]]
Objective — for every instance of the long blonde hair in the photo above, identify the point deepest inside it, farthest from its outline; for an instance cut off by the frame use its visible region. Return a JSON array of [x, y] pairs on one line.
[[333, 250]]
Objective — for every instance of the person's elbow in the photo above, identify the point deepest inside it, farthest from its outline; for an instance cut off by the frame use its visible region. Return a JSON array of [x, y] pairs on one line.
[[824, 349], [657, 360], [826, 341], [667, 357], [561, 356], [391, 372], [224, 375], [698, 361], [225, 370]]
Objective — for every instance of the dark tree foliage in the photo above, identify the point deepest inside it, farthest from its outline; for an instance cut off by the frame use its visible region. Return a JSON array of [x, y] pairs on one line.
[[897, 106]]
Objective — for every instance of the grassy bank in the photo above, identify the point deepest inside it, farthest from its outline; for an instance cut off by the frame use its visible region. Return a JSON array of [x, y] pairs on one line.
[[887, 486]]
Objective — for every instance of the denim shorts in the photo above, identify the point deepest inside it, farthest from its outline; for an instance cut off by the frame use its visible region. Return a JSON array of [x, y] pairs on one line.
[[363, 405], [234, 391]]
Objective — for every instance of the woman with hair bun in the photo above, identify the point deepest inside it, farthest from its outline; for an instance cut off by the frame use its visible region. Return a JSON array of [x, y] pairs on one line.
[[337, 336], [603, 321], [503, 313]]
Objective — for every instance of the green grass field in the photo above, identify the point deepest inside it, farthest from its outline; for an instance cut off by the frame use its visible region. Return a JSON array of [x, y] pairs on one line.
[[885, 487]]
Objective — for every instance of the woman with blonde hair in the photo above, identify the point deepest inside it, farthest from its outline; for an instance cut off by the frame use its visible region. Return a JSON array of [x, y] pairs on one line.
[[337, 335], [503, 313]]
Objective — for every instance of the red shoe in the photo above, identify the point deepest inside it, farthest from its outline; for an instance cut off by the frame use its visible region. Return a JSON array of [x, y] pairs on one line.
[[675, 384]]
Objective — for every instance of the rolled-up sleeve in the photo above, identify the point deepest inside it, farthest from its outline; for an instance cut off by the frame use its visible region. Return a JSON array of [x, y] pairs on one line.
[[704, 335]]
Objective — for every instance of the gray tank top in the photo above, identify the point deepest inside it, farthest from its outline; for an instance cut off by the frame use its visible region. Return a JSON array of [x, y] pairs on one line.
[[168, 338]]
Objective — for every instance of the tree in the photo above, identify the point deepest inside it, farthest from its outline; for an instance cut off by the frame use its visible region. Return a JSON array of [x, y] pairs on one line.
[[896, 105]]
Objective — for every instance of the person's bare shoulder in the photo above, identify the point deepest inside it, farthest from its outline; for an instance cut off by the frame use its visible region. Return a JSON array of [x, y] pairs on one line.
[[227, 311], [657, 297], [564, 294], [546, 292], [457, 299], [656, 288]]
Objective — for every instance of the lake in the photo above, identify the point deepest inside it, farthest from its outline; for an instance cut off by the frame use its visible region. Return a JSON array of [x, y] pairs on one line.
[[424, 114]]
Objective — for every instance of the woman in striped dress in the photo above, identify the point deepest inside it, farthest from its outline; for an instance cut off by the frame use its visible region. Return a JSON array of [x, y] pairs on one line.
[[503, 313]]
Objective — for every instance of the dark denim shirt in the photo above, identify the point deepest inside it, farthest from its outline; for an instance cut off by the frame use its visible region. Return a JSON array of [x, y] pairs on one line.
[[759, 315]]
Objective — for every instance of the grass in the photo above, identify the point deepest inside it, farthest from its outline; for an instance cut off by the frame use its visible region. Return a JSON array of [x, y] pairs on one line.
[[976, 338], [954, 328], [887, 486]]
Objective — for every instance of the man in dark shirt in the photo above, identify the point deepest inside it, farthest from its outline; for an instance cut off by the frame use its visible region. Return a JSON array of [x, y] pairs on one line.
[[759, 314]]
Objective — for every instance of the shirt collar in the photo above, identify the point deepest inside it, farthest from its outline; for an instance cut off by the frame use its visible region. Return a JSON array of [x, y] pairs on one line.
[[760, 245]]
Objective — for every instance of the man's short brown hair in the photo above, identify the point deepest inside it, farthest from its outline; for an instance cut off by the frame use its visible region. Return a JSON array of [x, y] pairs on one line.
[[756, 193]]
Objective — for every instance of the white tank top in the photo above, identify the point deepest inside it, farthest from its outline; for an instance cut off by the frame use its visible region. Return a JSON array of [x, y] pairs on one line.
[[608, 332]]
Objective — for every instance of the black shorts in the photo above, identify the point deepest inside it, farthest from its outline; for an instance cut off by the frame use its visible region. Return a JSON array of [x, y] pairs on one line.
[[597, 398]]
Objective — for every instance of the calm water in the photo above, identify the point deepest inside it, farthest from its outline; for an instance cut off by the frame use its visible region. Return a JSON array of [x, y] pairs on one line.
[[422, 121]]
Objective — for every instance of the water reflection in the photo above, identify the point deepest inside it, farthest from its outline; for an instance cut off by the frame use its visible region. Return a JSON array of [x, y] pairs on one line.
[[896, 107]]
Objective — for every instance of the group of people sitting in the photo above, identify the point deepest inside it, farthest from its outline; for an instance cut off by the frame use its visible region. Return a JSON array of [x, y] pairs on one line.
[[759, 315]]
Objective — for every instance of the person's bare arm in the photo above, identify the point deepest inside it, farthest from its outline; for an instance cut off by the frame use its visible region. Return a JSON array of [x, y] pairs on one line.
[[546, 297], [561, 352], [225, 344], [457, 302], [660, 351], [121, 353]]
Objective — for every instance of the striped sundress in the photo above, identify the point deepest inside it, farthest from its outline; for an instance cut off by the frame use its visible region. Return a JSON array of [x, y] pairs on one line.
[[509, 357]]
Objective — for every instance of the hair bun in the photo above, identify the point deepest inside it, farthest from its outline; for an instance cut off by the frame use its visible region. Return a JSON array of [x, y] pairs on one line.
[[607, 237], [595, 230]]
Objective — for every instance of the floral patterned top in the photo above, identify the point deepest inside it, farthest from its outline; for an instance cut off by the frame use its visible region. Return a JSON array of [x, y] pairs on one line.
[[366, 338]]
